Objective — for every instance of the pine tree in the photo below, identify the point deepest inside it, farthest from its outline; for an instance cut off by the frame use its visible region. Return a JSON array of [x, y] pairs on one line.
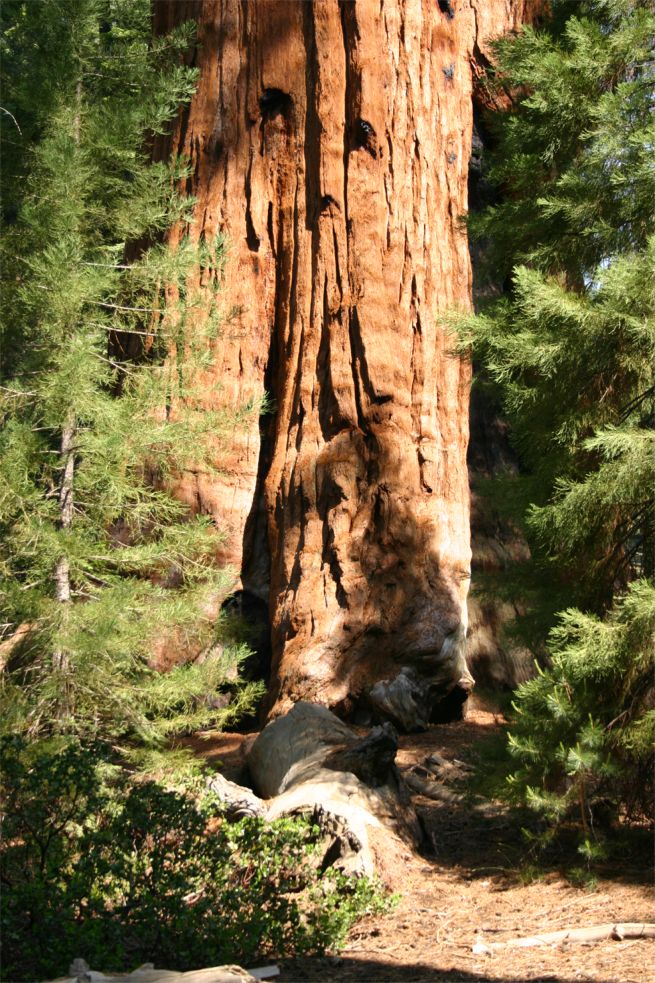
[[97, 558], [569, 349]]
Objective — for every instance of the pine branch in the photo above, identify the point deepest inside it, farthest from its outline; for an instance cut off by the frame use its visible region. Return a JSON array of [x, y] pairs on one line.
[[635, 403]]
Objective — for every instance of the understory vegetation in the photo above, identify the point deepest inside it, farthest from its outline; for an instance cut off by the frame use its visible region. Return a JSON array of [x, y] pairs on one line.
[[125, 871], [568, 351]]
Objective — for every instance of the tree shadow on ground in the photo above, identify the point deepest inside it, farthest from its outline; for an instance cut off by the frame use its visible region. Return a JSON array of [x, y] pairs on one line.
[[483, 836], [353, 970]]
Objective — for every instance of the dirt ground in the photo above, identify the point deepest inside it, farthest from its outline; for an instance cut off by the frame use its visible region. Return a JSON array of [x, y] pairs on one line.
[[470, 887]]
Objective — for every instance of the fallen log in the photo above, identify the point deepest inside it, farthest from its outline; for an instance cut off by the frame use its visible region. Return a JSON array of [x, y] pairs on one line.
[[371, 759], [79, 972], [594, 933], [309, 762], [239, 802]]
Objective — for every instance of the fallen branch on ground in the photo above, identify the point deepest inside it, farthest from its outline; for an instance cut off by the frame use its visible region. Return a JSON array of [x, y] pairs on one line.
[[594, 933], [79, 972], [430, 789]]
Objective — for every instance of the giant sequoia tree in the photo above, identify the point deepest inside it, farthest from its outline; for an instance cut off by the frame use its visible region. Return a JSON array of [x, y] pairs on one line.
[[330, 142]]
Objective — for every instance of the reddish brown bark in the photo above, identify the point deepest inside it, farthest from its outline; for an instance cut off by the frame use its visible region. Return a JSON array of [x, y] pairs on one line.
[[330, 143]]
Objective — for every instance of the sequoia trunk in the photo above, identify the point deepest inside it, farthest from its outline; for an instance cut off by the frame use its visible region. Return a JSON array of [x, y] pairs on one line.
[[330, 143]]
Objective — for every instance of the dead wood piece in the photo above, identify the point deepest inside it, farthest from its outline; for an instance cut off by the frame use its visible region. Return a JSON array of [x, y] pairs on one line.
[[79, 972], [239, 802], [292, 748], [310, 763], [213, 974], [437, 759], [431, 789], [405, 699], [446, 770], [371, 759], [592, 933], [265, 972]]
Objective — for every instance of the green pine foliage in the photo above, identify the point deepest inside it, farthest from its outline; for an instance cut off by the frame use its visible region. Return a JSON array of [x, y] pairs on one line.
[[574, 151], [97, 558], [569, 350], [584, 729], [575, 376]]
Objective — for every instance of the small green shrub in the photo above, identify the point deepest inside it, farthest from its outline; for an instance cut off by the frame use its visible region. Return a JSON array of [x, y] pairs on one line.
[[583, 878], [121, 873]]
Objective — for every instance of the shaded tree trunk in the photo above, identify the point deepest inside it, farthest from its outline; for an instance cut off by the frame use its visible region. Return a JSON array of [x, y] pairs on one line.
[[62, 580], [330, 142], [66, 506]]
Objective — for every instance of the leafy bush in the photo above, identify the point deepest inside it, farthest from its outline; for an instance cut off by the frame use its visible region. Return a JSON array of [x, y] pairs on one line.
[[121, 873]]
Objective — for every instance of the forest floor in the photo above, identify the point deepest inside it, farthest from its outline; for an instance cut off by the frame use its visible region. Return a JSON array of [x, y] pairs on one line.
[[477, 886]]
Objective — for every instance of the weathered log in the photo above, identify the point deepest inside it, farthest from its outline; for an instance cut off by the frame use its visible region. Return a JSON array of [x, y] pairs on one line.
[[371, 759], [239, 802], [309, 762], [593, 933], [413, 701], [293, 747], [80, 972], [424, 785]]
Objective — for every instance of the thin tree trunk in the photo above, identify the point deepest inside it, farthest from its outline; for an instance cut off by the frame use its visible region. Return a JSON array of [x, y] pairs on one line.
[[66, 503], [60, 658], [67, 456], [330, 142]]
